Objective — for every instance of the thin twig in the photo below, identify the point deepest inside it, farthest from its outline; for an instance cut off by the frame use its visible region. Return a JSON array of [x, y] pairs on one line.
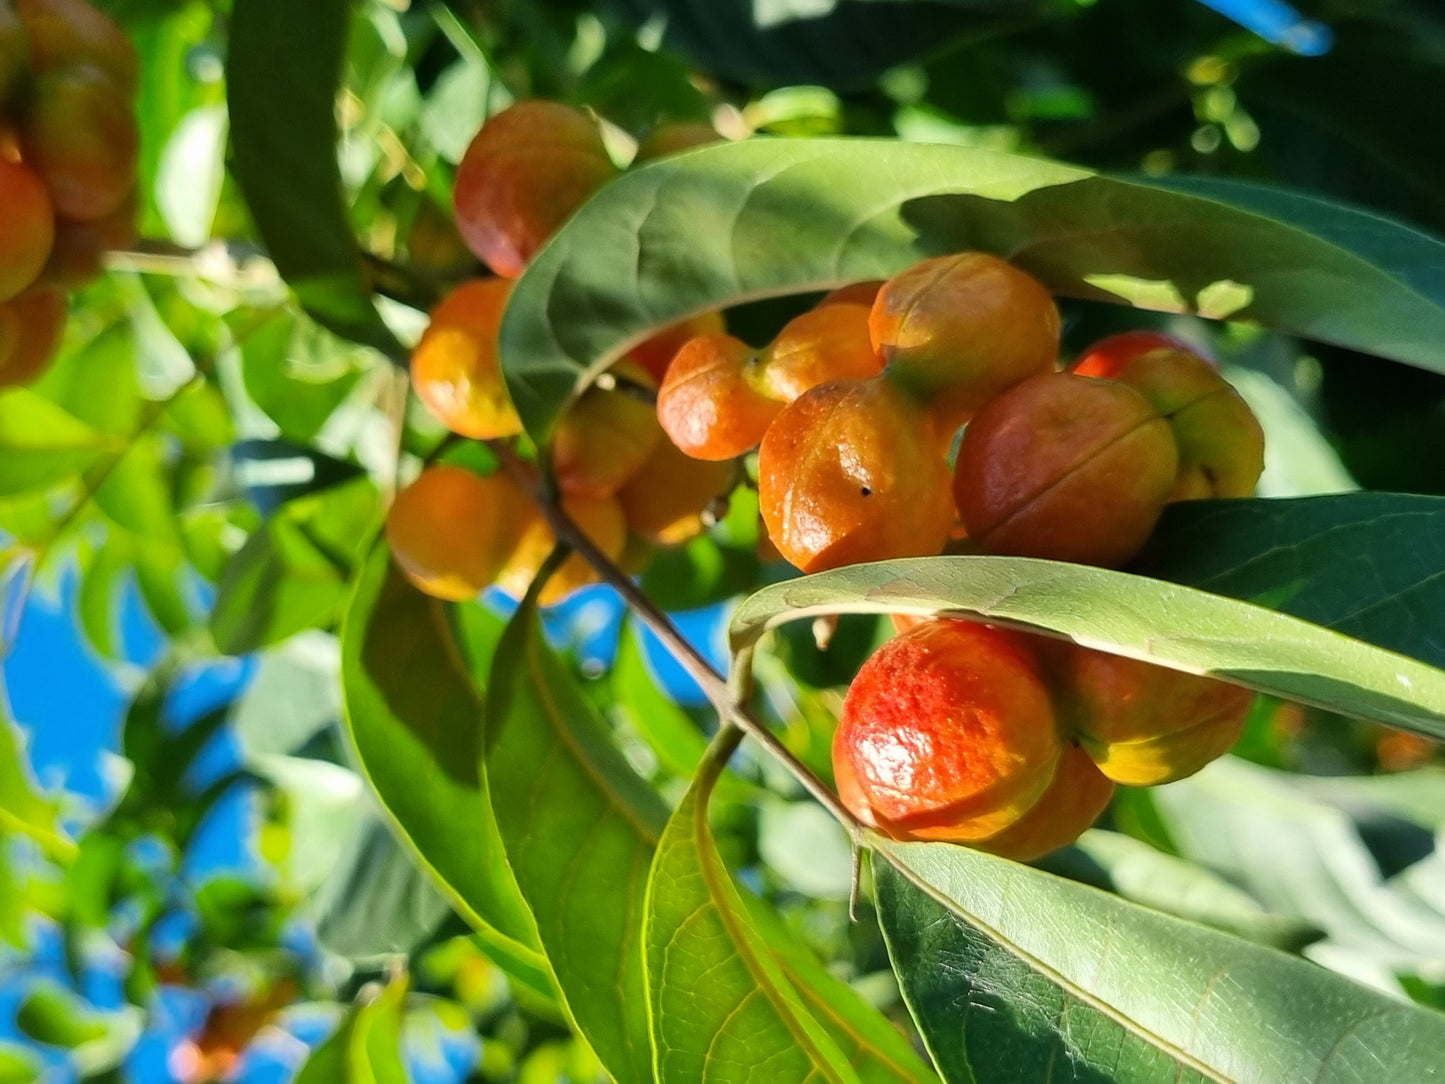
[[729, 703]]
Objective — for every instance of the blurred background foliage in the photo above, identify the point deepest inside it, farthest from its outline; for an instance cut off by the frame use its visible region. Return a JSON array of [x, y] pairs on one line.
[[194, 483]]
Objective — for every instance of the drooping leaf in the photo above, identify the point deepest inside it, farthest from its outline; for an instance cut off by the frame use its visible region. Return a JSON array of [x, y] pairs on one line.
[[765, 217], [292, 573], [579, 827], [1364, 564], [1013, 974], [285, 61], [1163, 623], [728, 995], [414, 717]]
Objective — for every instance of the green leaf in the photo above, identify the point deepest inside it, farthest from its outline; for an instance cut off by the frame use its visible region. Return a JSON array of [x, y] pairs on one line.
[[285, 62], [136, 493], [764, 217], [40, 444], [1158, 622], [414, 718], [366, 1049], [56, 1017], [18, 1065], [297, 373], [24, 810], [1309, 860], [293, 573], [724, 1000], [580, 827], [1364, 564], [98, 598], [673, 736], [1012, 973]]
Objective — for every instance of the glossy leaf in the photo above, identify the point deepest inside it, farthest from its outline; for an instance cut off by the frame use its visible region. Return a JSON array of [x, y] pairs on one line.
[[579, 828], [1012, 973], [285, 61], [414, 718], [725, 1000], [763, 217], [293, 573], [1364, 564], [1163, 623]]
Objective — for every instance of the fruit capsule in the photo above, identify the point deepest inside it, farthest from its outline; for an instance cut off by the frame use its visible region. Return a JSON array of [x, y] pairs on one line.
[[455, 369], [80, 136], [707, 405], [600, 520], [14, 55], [63, 33], [1221, 444], [30, 330], [947, 732], [77, 256], [27, 227], [1143, 724], [607, 435], [829, 342], [452, 531], [656, 352], [1065, 467], [674, 137], [850, 471], [665, 500], [955, 331], [1078, 793], [524, 174]]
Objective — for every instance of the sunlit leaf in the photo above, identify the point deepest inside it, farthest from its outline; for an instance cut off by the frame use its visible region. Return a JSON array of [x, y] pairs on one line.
[[764, 217], [1012, 972], [1147, 619]]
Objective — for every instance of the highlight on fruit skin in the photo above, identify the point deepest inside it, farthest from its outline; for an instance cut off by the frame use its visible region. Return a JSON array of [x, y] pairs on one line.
[[524, 174], [455, 368], [1143, 724], [1110, 356], [707, 405], [851, 471], [955, 331], [452, 531], [1065, 467], [655, 353], [947, 732]]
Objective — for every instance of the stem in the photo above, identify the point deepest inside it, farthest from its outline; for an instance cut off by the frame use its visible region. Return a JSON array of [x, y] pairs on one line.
[[728, 697]]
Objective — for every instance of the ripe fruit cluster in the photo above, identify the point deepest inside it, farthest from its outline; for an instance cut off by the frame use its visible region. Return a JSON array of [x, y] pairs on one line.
[[854, 409], [958, 731], [1013, 743], [454, 532], [68, 145]]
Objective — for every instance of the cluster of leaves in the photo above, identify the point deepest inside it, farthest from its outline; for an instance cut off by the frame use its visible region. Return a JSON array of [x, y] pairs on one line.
[[500, 839]]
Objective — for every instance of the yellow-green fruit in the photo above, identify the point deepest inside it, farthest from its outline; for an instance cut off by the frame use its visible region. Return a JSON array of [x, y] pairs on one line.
[[1141, 723]]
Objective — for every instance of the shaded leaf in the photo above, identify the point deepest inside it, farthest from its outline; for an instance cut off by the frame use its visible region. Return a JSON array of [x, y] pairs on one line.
[[366, 1049], [1364, 564], [765, 217], [40, 444], [579, 827], [1013, 974], [1163, 623], [414, 718], [286, 61], [293, 572]]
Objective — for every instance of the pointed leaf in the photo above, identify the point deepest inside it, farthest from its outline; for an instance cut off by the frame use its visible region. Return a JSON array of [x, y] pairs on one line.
[[285, 61], [40, 444], [764, 217], [729, 1005], [1014, 974], [1130, 615], [414, 718], [579, 826]]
